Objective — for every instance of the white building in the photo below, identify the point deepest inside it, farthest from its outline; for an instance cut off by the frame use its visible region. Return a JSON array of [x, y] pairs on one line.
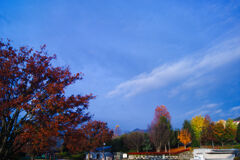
[[214, 154]]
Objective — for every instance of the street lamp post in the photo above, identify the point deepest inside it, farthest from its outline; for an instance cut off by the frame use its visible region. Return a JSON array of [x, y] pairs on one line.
[[103, 151]]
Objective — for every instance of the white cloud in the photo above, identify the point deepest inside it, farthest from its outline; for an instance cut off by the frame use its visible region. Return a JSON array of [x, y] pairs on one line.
[[217, 111], [203, 110], [235, 108], [188, 69]]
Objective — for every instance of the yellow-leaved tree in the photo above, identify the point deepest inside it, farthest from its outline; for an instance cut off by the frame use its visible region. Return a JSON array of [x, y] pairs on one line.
[[197, 123]]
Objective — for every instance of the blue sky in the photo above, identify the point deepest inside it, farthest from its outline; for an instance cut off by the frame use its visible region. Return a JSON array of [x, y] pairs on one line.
[[137, 54]]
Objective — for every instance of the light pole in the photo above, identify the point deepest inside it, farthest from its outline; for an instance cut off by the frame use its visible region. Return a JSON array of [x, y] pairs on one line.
[[103, 151]]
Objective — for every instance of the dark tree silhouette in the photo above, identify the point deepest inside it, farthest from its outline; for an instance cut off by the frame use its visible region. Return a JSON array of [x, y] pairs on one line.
[[160, 133], [134, 140]]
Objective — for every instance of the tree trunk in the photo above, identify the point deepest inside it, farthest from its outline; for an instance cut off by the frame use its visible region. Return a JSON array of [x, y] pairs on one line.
[[4, 152], [212, 144], [165, 148], [169, 147], [88, 156], [8, 134], [3, 148], [200, 142], [159, 147]]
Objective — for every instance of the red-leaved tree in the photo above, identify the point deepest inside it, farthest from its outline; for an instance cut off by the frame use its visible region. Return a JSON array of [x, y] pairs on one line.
[[33, 104], [88, 137], [160, 128], [159, 112]]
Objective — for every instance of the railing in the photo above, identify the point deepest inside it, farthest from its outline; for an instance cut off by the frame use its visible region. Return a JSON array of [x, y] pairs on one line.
[[170, 154]]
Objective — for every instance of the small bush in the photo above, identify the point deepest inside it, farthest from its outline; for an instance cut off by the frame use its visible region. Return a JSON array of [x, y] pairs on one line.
[[79, 156]]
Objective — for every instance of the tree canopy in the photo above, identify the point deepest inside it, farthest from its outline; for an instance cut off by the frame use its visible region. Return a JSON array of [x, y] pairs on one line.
[[88, 137], [197, 123], [184, 137], [160, 111], [33, 104], [134, 140]]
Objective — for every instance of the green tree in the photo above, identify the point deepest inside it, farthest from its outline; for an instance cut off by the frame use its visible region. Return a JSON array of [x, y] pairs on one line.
[[238, 133], [174, 141], [147, 145], [230, 134], [230, 124], [117, 144], [230, 131], [187, 125]]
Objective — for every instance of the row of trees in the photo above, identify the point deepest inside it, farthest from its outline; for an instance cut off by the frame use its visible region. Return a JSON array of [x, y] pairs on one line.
[[203, 131], [161, 136], [35, 113]]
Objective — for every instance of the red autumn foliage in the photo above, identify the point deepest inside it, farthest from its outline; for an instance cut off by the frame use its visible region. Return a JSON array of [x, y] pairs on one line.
[[88, 137], [159, 112], [34, 107]]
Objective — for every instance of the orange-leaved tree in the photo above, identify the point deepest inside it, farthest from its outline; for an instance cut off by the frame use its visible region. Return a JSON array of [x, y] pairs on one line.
[[34, 107], [185, 137]]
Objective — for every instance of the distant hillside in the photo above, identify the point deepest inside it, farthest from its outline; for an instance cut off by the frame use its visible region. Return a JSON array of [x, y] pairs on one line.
[[140, 130], [237, 119]]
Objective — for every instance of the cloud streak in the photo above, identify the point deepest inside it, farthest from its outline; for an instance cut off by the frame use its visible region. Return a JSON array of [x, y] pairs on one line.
[[186, 69], [236, 108], [205, 109], [213, 109]]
